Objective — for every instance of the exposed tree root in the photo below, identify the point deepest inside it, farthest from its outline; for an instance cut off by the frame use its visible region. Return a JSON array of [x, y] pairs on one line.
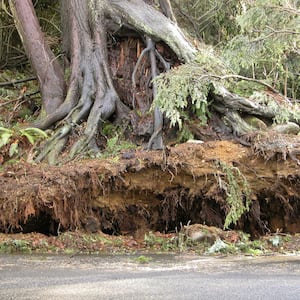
[[90, 93], [97, 96], [152, 192], [155, 141]]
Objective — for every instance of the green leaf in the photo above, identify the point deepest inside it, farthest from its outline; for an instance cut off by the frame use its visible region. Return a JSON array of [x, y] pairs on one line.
[[29, 137], [33, 134], [13, 149], [5, 135]]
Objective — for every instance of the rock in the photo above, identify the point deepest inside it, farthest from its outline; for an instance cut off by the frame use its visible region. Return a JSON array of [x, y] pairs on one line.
[[199, 232], [288, 128], [195, 142], [92, 224], [255, 122]]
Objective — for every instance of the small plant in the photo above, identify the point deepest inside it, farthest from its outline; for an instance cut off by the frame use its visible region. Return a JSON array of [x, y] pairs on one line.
[[114, 142], [14, 245], [142, 259], [159, 243], [13, 137], [115, 146]]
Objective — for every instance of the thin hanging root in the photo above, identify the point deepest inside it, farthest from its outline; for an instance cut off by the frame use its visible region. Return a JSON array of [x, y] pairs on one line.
[[155, 141], [150, 47], [138, 63], [166, 65]]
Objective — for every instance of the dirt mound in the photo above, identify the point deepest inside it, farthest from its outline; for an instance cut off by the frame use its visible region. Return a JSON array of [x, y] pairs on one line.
[[153, 190]]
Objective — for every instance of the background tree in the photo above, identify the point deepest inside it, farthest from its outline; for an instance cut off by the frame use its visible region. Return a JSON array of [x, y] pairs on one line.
[[267, 44], [257, 58]]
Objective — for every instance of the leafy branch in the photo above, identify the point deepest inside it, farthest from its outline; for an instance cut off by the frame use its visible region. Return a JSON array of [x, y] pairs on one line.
[[237, 192]]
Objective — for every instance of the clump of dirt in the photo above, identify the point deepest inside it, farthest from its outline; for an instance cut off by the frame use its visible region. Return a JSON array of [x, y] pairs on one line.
[[138, 191]]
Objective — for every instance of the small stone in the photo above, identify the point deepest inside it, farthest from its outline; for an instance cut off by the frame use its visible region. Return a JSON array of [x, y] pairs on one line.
[[288, 128]]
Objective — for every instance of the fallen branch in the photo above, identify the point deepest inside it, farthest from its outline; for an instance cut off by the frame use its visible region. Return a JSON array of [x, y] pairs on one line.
[[243, 78], [14, 82], [22, 97]]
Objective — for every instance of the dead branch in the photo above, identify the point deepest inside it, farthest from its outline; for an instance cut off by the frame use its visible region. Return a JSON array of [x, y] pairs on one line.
[[14, 82]]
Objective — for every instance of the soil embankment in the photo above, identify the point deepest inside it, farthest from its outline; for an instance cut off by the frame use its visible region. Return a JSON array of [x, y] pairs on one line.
[[151, 190]]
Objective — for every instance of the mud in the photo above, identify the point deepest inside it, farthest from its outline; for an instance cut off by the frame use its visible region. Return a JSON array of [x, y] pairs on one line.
[[141, 190]]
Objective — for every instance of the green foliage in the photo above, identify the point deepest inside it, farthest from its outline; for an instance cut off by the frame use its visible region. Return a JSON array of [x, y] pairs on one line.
[[15, 135], [267, 46], [237, 193], [186, 88], [212, 21], [184, 135], [245, 88], [33, 134], [158, 242], [284, 111], [5, 135], [15, 246], [142, 259], [115, 145], [115, 141], [179, 243]]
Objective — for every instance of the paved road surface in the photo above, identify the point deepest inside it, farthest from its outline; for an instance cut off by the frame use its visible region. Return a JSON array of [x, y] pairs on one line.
[[164, 277]]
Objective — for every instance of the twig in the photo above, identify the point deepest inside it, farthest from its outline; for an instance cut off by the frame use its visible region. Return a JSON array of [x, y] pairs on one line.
[[243, 78], [20, 98], [13, 82], [286, 9]]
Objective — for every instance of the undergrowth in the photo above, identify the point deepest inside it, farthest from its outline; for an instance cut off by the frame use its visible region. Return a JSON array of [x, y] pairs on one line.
[[14, 140]]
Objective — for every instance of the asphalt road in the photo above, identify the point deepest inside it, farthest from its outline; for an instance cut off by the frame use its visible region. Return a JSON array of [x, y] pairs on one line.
[[164, 277]]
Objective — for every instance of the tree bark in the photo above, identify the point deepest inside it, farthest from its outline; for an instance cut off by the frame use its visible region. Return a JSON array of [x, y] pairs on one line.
[[91, 94], [44, 64], [149, 21], [166, 8]]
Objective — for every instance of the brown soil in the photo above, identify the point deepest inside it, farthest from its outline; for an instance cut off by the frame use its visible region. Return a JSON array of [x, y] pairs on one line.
[[140, 191]]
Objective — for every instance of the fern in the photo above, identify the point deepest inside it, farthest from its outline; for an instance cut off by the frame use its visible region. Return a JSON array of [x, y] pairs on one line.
[[14, 135], [5, 136], [33, 134], [13, 149]]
